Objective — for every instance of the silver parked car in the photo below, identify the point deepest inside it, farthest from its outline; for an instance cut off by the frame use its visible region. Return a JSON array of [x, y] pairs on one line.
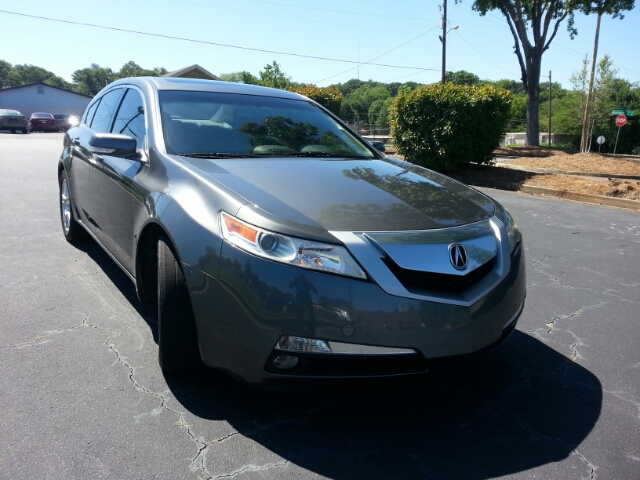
[[276, 243]]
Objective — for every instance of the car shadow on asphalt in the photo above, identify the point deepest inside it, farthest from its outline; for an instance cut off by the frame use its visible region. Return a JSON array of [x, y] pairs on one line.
[[525, 405]]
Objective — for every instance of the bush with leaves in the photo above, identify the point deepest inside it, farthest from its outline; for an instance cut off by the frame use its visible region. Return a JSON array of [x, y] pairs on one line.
[[445, 126], [329, 97]]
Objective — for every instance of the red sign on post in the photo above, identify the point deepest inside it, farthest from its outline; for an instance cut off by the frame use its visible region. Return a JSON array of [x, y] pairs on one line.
[[621, 120]]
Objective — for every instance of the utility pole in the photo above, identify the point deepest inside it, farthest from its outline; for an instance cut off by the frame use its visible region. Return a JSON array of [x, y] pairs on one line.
[[444, 41], [549, 131]]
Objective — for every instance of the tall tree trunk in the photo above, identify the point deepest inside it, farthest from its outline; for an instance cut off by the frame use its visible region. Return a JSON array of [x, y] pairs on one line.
[[533, 98], [585, 142]]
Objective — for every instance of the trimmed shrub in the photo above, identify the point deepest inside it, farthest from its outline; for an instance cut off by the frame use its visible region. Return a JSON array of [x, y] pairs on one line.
[[445, 126], [329, 97]]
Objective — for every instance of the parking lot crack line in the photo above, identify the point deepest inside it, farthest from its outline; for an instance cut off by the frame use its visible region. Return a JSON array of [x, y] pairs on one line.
[[552, 325], [44, 337], [624, 397], [252, 468], [592, 468]]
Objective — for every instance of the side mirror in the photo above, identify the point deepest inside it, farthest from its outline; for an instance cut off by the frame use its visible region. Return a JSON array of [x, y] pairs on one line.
[[378, 146], [113, 144]]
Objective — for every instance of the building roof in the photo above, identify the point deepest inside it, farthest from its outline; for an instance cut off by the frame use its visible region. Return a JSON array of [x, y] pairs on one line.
[[194, 71], [44, 85]]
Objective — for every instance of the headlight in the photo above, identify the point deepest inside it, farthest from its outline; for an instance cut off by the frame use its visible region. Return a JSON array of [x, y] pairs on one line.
[[513, 234], [290, 250]]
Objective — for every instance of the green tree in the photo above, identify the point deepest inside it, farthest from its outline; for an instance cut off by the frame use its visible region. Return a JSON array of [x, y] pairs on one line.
[[273, 76], [598, 95], [356, 105], [329, 97], [462, 77], [27, 74], [349, 87], [91, 80], [5, 71], [132, 69], [518, 113], [600, 7], [240, 77], [379, 112], [567, 113], [395, 86], [533, 24], [513, 86]]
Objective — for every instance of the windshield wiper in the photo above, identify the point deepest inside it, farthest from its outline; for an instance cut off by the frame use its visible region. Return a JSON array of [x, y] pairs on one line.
[[323, 154], [216, 155]]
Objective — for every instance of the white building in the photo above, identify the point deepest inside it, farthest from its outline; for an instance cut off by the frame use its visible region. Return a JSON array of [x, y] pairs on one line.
[[40, 97]]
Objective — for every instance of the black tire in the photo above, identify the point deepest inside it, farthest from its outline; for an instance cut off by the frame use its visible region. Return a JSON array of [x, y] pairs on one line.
[[71, 229], [178, 350]]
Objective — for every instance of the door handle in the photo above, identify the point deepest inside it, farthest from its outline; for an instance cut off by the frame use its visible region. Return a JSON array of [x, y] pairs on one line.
[[75, 141]]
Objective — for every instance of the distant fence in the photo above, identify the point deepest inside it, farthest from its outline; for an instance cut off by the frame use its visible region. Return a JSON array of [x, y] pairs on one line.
[[519, 138], [376, 132]]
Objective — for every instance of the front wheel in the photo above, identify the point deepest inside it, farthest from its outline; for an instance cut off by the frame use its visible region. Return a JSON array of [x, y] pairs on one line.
[[177, 336], [71, 229]]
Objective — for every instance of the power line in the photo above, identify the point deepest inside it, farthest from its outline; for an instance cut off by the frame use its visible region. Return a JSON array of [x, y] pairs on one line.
[[492, 63], [383, 15], [204, 42], [380, 56], [362, 25]]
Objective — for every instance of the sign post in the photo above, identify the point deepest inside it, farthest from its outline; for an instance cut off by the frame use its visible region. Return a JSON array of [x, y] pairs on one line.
[[621, 120], [600, 141]]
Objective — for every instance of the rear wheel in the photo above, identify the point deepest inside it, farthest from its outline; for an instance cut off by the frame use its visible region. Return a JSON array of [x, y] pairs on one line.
[[71, 229], [177, 336]]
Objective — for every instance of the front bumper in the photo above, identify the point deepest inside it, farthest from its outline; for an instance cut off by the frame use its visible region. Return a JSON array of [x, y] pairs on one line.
[[242, 314]]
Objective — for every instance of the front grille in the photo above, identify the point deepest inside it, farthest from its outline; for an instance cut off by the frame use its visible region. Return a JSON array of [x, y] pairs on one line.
[[417, 282]]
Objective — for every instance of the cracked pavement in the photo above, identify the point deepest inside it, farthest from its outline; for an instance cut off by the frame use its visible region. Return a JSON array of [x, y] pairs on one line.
[[82, 396]]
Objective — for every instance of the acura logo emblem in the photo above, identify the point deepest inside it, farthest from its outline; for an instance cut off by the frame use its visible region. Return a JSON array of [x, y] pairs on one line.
[[457, 256]]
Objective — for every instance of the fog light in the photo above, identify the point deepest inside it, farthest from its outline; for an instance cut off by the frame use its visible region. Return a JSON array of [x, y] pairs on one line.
[[301, 344], [292, 343], [285, 362]]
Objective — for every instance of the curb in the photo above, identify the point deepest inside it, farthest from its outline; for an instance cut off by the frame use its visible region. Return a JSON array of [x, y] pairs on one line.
[[553, 171], [551, 192]]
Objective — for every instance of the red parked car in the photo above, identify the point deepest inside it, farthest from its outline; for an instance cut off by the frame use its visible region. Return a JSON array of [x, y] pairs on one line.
[[43, 121]]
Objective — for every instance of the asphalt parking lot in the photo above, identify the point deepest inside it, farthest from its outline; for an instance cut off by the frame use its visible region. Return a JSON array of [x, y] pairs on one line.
[[82, 396]]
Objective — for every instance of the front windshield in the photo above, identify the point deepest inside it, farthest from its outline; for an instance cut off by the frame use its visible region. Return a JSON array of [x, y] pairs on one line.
[[224, 124]]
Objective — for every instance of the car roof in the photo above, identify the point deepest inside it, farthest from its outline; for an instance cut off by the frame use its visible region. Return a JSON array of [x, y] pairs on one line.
[[202, 85]]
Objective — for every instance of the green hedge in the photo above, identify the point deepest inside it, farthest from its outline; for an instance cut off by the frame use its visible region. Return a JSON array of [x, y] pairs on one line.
[[329, 97], [445, 126]]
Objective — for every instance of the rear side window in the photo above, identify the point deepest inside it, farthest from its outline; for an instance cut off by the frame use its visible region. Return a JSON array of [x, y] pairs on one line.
[[106, 111], [88, 116], [130, 117]]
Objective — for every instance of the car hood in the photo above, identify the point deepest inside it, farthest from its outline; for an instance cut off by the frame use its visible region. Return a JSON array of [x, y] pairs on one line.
[[349, 195]]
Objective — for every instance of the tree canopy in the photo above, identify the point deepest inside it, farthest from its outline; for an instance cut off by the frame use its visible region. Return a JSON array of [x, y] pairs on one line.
[[533, 25]]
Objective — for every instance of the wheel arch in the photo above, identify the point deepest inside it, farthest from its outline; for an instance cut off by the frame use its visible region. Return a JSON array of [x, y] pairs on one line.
[[146, 268]]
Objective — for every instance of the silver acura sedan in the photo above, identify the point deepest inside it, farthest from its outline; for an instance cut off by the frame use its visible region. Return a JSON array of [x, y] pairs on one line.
[[276, 243]]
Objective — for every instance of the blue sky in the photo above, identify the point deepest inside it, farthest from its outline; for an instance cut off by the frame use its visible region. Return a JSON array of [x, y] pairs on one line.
[[345, 36]]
